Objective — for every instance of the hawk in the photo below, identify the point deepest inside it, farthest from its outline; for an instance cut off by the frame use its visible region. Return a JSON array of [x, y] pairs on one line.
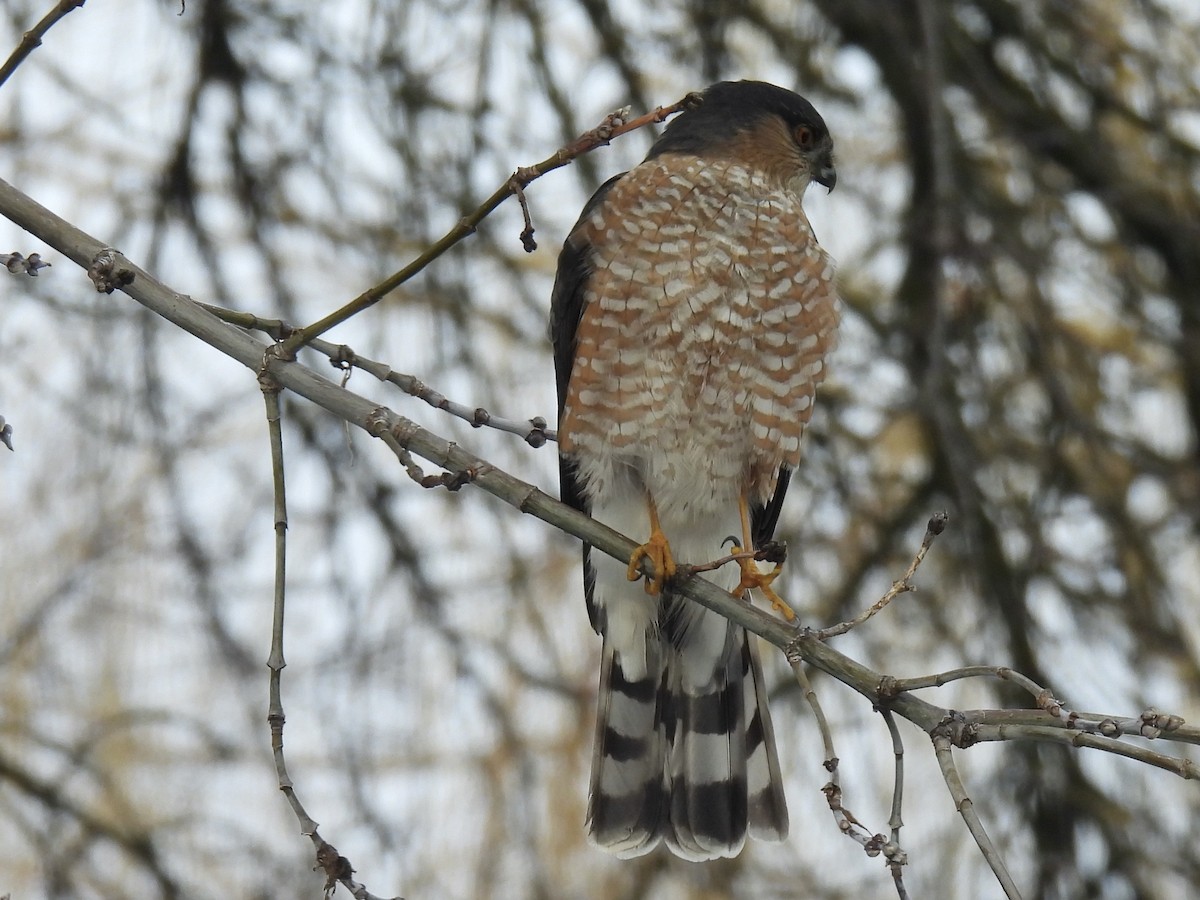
[[691, 316]]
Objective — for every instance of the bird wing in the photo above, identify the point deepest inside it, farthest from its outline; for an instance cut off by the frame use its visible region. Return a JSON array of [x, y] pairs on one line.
[[764, 517], [566, 310]]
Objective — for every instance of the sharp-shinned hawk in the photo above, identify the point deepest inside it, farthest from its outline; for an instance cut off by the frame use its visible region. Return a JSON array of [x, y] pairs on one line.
[[692, 313]]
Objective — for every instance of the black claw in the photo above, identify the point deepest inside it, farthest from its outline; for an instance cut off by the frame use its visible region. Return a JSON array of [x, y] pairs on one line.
[[732, 540]]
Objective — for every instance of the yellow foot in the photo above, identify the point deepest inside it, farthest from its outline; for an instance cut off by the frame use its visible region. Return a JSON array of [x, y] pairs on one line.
[[658, 551], [753, 579]]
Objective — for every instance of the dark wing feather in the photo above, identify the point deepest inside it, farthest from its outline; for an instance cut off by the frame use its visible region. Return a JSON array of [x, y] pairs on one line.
[[764, 518], [566, 300], [566, 310]]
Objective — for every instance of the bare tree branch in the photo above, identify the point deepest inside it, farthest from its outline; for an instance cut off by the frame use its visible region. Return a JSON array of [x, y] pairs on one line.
[[32, 39], [966, 808], [110, 271], [936, 525], [614, 125]]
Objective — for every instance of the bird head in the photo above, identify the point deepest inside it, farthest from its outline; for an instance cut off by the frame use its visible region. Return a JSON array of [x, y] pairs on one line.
[[759, 125]]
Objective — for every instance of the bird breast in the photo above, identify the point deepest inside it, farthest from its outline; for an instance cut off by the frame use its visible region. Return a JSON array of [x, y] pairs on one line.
[[708, 314]]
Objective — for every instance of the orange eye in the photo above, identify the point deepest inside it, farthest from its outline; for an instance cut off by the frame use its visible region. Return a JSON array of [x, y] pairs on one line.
[[804, 137]]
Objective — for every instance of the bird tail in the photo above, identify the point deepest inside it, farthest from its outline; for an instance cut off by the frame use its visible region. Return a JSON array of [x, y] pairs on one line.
[[628, 788], [694, 765], [724, 773]]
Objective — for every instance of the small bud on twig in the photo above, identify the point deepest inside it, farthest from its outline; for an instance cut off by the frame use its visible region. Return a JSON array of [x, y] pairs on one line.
[[18, 264], [105, 272]]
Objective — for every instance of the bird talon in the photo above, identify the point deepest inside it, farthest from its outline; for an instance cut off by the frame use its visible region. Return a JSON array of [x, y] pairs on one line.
[[658, 550], [753, 579], [780, 605]]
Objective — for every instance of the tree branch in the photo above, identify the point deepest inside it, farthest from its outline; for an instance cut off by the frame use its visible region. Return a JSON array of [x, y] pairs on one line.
[[614, 125], [32, 39], [942, 744], [111, 271], [184, 312]]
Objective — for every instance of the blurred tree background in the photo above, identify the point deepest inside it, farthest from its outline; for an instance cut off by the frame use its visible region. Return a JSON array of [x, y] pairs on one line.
[[1017, 227]]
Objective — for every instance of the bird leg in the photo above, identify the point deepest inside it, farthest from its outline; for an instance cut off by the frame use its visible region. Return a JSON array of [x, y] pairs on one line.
[[658, 550], [751, 576]]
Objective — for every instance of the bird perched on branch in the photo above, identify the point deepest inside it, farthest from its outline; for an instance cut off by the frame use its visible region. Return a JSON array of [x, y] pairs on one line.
[[691, 317]]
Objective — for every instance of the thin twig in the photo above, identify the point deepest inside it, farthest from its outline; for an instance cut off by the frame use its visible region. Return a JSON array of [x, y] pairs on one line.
[[893, 851], [534, 431], [527, 241], [935, 526], [275, 660], [32, 39], [847, 823], [276, 329], [452, 481], [1150, 723], [336, 867], [966, 808], [614, 125], [1177, 765], [771, 551]]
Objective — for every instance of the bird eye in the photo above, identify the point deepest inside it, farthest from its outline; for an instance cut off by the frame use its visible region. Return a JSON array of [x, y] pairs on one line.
[[804, 137]]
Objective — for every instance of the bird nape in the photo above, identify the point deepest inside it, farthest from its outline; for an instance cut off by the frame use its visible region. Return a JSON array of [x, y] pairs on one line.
[[692, 314]]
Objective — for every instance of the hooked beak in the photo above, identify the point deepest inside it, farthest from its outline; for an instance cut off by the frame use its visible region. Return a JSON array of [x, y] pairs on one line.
[[826, 175]]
